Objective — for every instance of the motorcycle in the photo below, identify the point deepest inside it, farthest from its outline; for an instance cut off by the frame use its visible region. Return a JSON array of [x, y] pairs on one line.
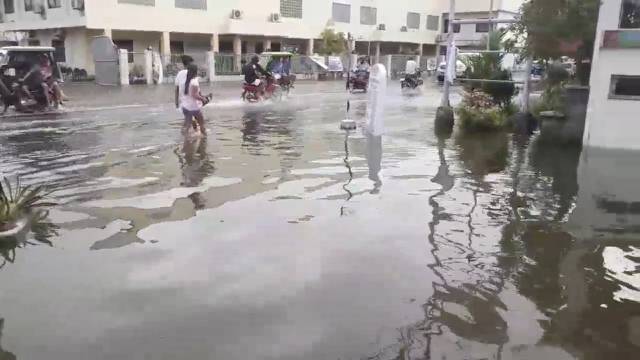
[[272, 91], [358, 80], [412, 81], [286, 83]]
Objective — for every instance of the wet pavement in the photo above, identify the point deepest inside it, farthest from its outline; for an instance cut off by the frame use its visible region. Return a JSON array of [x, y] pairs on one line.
[[282, 237]]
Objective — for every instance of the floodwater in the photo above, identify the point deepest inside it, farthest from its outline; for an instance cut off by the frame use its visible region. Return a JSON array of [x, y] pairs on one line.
[[282, 237]]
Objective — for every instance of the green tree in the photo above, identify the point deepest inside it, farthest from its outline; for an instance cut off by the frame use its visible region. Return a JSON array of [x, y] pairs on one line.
[[549, 29], [332, 43]]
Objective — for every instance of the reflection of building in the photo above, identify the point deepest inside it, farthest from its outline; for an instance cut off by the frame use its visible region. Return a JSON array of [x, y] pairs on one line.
[[614, 103]]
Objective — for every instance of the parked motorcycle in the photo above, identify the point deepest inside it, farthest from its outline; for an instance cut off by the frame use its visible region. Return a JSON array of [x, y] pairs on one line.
[[412, 81], [358, 80], [272, 91]]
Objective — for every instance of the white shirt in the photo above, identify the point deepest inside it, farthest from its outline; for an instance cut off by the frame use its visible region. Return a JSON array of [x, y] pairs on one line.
[[189, 102], [181, 78]]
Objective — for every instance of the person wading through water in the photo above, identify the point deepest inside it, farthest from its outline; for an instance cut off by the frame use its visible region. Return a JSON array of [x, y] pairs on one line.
[[192, 101]]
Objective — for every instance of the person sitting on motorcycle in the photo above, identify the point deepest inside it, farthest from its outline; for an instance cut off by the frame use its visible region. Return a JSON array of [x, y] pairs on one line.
[[47, 73], [252, 73], [277, 68], [411, 71], [34, 80]]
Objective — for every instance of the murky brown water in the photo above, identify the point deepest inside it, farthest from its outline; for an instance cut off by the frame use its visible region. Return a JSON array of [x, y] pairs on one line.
[[279, 237]]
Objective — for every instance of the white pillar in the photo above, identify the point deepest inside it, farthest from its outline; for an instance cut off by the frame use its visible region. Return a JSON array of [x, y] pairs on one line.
[[165, 47], [420, 49], [148, 66], [388, 65], [266, 44], [215, 43], [108, 32], [211, 65], [354, 61], [124, 67], [237, 52], [310, 48]]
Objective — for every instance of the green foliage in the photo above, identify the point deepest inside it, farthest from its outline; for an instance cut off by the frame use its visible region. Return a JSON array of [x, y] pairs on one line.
[[478, 113], [552, 100], [18, 200], [332, 43], [556, 75], [489, 66], [550, 29]]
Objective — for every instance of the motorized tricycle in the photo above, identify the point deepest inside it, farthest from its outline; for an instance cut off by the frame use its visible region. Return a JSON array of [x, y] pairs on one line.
[[18, 62]]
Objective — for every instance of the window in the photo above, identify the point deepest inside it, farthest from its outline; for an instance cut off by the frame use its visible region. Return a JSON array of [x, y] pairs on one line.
[[176, 47], [630, 17], [432, 22], [33, 42], [54, 4], [625, 87], [60, 54], [28, 5], [341, 13], [413, 20], [456, 27], [483, 28], [9, 7], [368, 15], [138, 2], [192, 4], [291, 8], [125, 45]]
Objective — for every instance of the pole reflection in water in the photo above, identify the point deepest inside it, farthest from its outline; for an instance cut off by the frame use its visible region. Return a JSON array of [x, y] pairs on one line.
[[347, 163], [374, 161], [4, 355]]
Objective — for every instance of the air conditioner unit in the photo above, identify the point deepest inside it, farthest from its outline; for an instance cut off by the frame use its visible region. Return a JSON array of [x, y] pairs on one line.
[[382, 27], [275, 17], [404, 29], [77, 4], [236, 14]]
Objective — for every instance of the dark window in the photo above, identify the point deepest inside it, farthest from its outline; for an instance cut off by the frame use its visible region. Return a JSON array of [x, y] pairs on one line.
[[60, 54], [625, 87], [177, 47], [28, 5], [368, 15], [341, 13], [33, 42], [483, 28], [9, 7], [413, 20], [630, 18], [291, 8], [53, 4], [456, 27], [192, 4], [138, 2], [432, 22], [125, 45]]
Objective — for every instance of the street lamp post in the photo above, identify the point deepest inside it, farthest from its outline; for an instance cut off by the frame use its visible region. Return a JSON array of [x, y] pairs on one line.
[[444, 115]]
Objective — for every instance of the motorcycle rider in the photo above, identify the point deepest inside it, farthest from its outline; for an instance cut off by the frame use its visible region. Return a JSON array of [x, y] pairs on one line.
[[252, 72], [411, 72]]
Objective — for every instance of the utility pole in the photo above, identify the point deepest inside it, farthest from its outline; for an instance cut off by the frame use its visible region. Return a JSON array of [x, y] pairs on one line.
[[490, 25], [450, 52]]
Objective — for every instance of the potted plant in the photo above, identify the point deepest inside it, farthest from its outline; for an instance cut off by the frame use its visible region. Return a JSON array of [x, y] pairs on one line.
[[19, 206]]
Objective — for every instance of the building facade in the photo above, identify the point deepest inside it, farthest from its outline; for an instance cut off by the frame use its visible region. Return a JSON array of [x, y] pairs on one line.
[[224, 26], [614, 102]]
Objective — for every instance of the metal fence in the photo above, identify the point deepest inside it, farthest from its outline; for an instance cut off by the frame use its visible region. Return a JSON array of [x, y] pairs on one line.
[[173, 64]]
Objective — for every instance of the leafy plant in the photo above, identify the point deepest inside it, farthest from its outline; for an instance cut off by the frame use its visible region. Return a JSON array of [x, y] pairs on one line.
[[478, 113], [552, 100], [332, 43], [18, 200]]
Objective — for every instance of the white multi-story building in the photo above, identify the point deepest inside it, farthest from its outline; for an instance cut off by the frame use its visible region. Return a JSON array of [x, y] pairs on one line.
[[614, 102], [474, 36], [224, 26]]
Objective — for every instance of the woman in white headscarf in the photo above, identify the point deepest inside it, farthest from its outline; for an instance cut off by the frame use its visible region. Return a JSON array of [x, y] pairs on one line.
[[377, 93]]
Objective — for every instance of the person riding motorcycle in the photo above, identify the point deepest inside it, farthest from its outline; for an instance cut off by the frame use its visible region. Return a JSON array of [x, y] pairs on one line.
[[252, 72]]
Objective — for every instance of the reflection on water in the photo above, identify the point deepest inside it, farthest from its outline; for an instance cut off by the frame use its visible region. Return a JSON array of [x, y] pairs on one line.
[[236, 246]]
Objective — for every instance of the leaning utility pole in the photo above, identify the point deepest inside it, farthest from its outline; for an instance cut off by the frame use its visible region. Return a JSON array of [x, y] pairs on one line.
[[444, 114]]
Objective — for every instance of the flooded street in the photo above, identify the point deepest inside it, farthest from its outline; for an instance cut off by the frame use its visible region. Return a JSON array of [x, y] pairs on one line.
[[282, 237]]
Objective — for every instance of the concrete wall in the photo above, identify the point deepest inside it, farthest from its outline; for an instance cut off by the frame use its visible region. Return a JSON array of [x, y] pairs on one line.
[[611, 123]]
